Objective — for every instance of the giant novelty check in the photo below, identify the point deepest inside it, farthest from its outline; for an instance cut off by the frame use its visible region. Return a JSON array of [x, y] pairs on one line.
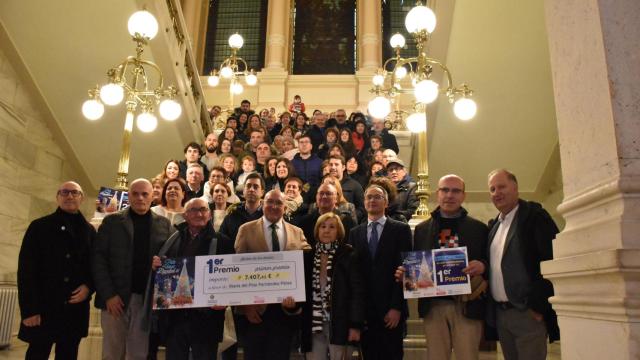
[[237, 279]]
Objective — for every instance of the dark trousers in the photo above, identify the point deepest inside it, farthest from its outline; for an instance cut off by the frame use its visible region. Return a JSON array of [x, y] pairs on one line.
[[381, 343], [183, 336], [269, 340], [65, 349]]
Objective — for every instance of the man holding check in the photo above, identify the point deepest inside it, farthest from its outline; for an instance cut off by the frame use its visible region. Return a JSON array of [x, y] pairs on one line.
[[197, 329], [269, 328], [453, 322]]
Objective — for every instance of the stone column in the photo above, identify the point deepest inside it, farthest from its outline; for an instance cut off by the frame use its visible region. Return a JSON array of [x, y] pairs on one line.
[[272, 79], [369, 33], [277, 34], [596, 271], [369, 48]]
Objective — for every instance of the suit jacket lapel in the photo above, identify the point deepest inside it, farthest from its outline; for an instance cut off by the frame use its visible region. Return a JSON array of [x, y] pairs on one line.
[[261, 238], [513, 229]]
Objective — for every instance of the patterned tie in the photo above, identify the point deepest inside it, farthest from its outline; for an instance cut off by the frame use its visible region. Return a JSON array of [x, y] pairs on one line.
[[275, 244], [373, 240]]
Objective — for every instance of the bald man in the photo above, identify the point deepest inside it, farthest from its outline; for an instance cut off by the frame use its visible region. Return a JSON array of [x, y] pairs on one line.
[[54, 278], [122, 253]]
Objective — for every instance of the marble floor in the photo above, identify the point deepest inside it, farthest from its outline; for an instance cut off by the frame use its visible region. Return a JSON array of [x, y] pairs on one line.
[[16, 352]]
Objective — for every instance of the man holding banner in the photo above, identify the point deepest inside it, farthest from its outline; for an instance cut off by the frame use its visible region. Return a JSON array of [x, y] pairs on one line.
[[453, 322], [198, 329], [269, 328]]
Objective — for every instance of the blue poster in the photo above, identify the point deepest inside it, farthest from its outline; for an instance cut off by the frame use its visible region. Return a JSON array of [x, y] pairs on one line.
[[173, 283], [436, 272]]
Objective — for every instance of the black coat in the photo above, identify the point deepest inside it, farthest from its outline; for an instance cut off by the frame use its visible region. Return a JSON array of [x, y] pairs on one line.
[[383, 292], [347, 297], [236, 216], [353, 193], [308, 221], [53, 262], [472, 234], [535, 231], [209, 322]]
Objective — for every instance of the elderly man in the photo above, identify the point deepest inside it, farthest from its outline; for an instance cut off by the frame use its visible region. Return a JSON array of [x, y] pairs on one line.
[[122, 253], [54, 278], [269, 329], [452, 323], [192, 154], [519, 239], [195, 179], [326, 201], [406, 199], [198, 330], [379, 242], [351, 189]]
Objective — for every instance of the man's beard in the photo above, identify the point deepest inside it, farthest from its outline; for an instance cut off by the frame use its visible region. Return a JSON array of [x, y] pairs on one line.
[[212, 149]]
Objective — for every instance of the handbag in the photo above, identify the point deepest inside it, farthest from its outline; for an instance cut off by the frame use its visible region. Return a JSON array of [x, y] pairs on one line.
[[229, 336]]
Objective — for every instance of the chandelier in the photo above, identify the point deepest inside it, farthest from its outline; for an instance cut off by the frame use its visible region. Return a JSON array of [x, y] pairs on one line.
[[420, 22], [232, 68], [140, 84]]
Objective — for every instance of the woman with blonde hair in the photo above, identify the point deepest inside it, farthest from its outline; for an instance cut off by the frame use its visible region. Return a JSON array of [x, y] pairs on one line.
[[334, 316], [344, 207]]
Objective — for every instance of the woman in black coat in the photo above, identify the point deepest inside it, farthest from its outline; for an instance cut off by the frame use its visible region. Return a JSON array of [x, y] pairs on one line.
[[334, 314]]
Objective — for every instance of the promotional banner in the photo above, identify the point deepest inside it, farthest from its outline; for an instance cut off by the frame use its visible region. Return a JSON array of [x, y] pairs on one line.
[[237, 279], [436, 272]]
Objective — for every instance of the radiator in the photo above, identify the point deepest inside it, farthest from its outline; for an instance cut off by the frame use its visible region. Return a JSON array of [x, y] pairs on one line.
[[8, 301]]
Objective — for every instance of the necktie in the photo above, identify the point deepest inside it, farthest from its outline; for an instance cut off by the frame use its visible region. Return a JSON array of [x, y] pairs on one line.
[[373, 240], [275, 243]]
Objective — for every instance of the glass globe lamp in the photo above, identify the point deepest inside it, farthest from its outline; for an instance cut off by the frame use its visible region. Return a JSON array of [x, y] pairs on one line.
[[146, 122], [213, 80], [426, 91], [379, 107], [92, 109], [417, 122], [170, 109], [111, 94], [236, 41], [397, 41], [465, 109], [420, 18], [144, 23]]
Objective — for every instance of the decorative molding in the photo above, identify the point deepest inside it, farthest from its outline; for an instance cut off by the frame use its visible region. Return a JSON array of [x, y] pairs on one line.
[[276, 39], [369, 39]]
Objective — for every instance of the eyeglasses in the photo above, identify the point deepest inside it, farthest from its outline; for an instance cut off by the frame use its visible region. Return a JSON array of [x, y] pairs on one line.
[[65, 192], [202, 210], [447, 190], [394, 169], [274, 203], [373, 197], [325, 194]]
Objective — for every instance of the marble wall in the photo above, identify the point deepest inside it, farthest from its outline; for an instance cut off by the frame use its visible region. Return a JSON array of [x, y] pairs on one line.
[[32, 165]]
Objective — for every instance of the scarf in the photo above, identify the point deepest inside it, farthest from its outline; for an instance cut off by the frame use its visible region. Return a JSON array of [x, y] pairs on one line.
[[321, 305]]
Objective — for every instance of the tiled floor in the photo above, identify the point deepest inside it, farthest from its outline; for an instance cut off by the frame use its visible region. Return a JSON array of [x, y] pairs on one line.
[[17, 353]]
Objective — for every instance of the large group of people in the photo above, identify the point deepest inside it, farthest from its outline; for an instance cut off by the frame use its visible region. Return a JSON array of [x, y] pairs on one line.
[[329, 185]]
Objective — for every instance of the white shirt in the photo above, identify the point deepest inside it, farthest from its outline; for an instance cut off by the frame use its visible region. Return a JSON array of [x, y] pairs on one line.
[[496, 280], [282, 235], [380, 221]]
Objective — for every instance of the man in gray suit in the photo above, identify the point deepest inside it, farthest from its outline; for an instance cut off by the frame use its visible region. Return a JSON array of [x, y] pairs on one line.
[[519, 239], [122, 252]]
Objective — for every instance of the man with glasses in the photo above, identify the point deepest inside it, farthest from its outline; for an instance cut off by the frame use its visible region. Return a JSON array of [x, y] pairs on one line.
[[122, 253], [306, 163], [54, 278], [453, 322], [406, 199], [379, 242], [341, 119], [199, 330], [269, 329]]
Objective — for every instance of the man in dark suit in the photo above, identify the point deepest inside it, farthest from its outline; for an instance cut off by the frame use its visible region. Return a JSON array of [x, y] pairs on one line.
[[122, 254], [199, 330], [519, 239], [380, 242], [269, 329], [54, 278]]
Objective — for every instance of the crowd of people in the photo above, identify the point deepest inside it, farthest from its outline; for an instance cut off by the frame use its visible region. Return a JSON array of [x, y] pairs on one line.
[[329, 185]]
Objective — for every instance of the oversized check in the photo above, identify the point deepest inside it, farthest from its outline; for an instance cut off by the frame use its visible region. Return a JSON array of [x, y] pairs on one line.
[[236, 279]]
